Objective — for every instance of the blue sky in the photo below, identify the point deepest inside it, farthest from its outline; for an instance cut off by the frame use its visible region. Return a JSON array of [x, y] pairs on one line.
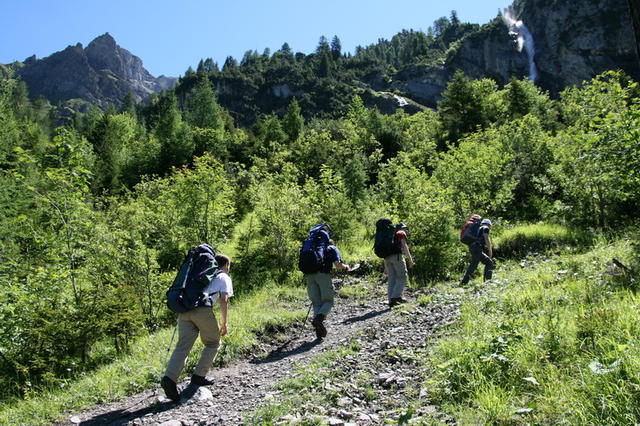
[[170, 36]]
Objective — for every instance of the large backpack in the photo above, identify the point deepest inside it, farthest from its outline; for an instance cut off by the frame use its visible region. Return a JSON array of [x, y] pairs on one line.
[[469, 232], [195, 274], [313, 250], [385, 243]]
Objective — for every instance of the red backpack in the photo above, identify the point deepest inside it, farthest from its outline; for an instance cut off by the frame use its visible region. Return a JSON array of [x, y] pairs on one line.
[[469, 232]]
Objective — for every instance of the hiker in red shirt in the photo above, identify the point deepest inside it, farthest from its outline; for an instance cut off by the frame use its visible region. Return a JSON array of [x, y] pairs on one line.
[[396, 267]]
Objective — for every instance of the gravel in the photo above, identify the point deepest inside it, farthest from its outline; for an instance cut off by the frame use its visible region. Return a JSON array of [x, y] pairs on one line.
[[389, 341]]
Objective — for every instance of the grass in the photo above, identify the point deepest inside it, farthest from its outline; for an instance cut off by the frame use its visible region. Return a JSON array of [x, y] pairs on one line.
[[522, 240], [249, 317], [553, 341]]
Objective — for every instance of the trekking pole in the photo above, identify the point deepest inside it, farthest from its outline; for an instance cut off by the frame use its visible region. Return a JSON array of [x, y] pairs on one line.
[[307, 316], [164, 363]]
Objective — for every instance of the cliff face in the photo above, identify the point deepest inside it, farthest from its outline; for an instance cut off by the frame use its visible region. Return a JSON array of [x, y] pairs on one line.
[[577, 40], [101, 74], [573, 41]]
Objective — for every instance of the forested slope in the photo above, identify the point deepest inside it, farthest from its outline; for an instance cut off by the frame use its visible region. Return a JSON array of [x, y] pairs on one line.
[[96, 216]]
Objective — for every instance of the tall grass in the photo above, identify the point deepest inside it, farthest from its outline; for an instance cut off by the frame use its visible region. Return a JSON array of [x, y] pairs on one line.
[[251, 316], [553, 341], [520, 241]]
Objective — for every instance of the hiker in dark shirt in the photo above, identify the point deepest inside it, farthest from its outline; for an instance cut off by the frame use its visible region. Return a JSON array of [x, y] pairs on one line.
[[320, 288], [477, 250]]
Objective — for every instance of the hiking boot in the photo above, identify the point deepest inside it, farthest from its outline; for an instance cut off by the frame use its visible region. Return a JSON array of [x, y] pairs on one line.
[[321, 331], [170, 389], [396, 301], [201, 381]]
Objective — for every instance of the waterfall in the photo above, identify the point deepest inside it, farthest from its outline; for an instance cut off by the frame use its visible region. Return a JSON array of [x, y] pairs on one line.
[[524, 39]]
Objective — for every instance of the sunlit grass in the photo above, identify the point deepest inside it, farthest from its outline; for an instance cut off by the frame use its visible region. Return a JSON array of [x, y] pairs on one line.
[[553, 340], [522, 240]]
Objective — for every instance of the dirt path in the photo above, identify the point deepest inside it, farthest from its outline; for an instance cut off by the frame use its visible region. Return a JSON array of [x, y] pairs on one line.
[[246, 385]]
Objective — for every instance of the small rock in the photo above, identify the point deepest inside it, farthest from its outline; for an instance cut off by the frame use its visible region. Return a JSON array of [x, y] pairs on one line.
[[383, 377], [365, 418], [344, 402], [204, 394], [430, 409], [343, 414], [171, 423], [75, 420]]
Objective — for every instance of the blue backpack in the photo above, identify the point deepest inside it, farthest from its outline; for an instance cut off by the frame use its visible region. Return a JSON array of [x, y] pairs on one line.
[[195, 274], [313, 249]]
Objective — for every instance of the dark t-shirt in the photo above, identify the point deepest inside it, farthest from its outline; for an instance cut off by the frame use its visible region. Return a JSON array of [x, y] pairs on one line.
[[483, 230], [331, 255]]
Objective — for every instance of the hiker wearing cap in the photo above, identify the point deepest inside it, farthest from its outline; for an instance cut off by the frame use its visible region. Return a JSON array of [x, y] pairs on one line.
[[318, 256], [200, 321], [477, 249], [395, 266]]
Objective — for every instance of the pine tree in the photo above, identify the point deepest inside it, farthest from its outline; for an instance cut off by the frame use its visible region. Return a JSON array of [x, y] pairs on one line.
[[323, 45], [202, 108], [292, 121], [173, 134], [336, 48], [324, 67]]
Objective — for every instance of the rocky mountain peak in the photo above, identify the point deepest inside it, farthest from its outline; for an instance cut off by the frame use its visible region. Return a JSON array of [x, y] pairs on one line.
[[102, 73], [105, 41]]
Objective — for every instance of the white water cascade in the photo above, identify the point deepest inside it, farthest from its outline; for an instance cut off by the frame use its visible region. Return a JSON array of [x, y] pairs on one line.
[[523, 38]]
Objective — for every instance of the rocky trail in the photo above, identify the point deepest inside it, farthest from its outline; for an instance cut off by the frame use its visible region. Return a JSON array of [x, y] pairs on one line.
[[386, 338]]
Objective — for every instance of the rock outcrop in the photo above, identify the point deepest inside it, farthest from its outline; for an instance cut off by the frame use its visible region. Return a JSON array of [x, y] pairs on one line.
[[577, 40], [101, 74], [574, 41]]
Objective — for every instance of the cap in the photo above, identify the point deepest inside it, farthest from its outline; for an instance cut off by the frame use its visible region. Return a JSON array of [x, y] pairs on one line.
[[486, 222], [401, 225]]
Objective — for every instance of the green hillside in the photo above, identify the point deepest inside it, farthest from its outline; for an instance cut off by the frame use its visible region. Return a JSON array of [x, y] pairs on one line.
[[97, 215]]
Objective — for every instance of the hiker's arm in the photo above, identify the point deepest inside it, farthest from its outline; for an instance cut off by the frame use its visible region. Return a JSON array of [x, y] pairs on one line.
[[224, 305], [406, 252], [338, 264], [487, 244]]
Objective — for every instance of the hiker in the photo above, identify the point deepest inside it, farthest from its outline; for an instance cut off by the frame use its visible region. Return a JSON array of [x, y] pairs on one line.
[[318, 278], [477, 248], [395, 266], [202, 321]]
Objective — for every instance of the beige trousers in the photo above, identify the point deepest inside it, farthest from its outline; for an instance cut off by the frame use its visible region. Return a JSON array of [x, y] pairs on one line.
[[197, 321], [320, 292], [398, 275]]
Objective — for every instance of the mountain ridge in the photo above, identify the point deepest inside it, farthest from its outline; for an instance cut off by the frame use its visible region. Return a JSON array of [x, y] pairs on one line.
[[103, 73], [570, 43]]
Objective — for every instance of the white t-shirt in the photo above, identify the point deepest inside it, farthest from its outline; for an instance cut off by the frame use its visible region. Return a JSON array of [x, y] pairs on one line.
[[220, 284]]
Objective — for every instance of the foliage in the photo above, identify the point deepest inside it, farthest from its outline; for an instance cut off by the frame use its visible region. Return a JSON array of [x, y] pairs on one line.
[[554, 339], [598, 153], [95, 217], [142, 365], [418, 201]]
